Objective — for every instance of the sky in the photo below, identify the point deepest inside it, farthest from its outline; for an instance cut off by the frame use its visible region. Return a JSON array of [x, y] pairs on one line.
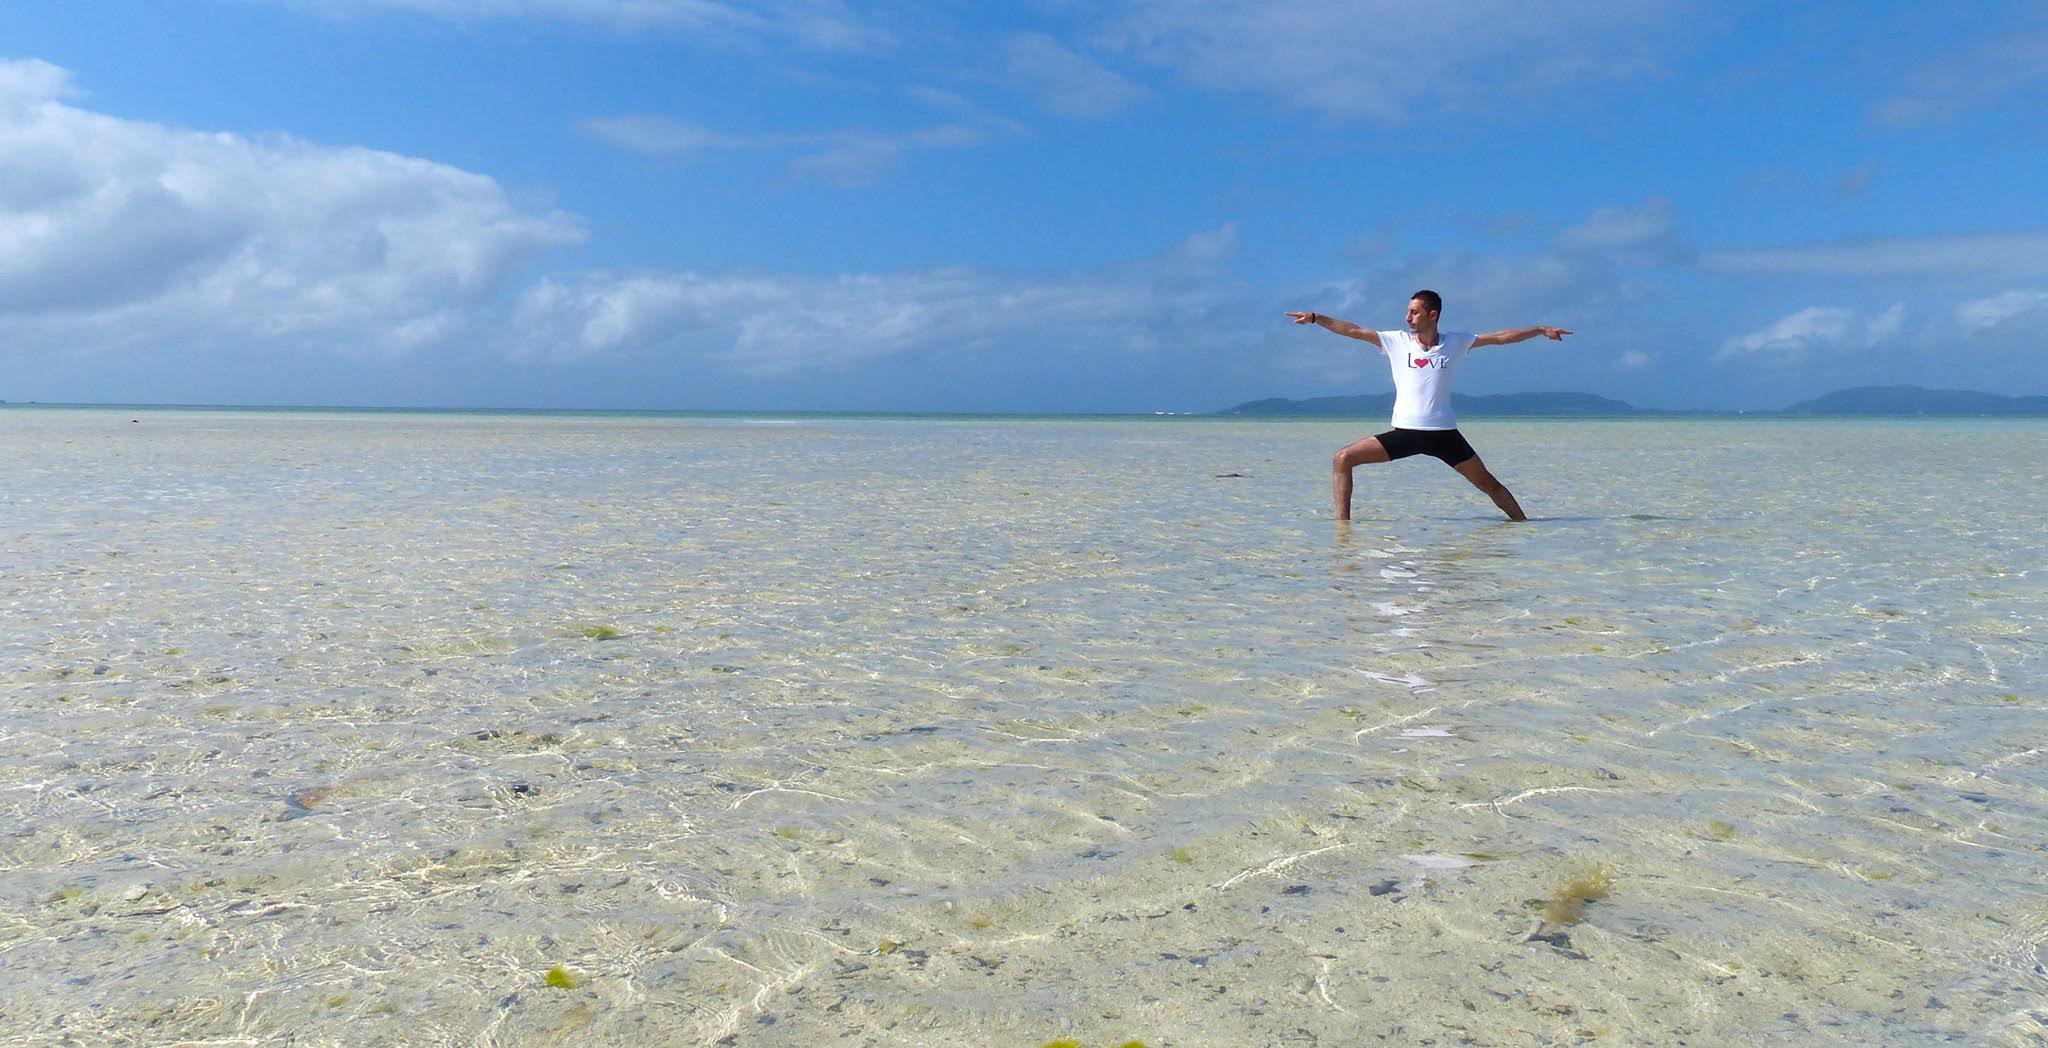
[[1043, 206]]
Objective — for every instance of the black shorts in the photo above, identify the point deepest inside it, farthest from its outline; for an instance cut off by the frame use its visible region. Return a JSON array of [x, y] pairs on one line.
[[1446, 444]]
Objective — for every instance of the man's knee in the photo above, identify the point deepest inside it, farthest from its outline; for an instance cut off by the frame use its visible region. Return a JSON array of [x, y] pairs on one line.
[[1357, 455], [1351, 457]]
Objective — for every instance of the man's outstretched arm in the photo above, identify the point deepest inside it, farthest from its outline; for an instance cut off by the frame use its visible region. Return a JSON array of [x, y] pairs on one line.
[[1341, 327], [1513, 335]]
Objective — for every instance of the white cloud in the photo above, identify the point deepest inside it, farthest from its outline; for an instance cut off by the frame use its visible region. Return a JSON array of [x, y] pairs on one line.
[[1955, 259], [1064, 82], [123, 232], [1397, 60], [1645, 234], [1815, 329], [767, 24], [2006, 68], [660, 135], [130, 236], [1886, 324], [1635, 359], [31, 82], [1580, 272], [1587, 272], [847, 158], [782, 325], [1945, 277], [1991, 312]]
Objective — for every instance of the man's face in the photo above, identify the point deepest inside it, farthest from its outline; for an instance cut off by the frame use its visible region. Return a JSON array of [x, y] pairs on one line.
[[1419, 314]]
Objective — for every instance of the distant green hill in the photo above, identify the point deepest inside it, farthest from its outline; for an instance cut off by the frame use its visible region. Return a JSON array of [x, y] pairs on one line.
[[1493, 404], [1914, 400]]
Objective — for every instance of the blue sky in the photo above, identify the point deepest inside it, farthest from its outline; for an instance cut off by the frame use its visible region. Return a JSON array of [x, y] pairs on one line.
[[1061, 205]]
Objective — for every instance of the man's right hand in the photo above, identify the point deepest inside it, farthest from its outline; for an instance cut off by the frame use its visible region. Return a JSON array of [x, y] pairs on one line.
[[1335, 326]]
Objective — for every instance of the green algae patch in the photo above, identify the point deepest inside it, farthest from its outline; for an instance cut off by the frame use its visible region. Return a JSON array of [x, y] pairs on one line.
[[887, 946], [601, 633], [563, 979], [1587, 883], [1061, 1044], [1183, 856], [1718, 830]]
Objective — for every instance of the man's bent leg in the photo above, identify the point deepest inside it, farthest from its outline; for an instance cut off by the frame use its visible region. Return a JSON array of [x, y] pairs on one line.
[[1475, 471], [1365, 451]]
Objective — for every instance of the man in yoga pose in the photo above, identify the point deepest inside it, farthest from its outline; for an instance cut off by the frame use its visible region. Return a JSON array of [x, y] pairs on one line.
[[1423, 360]]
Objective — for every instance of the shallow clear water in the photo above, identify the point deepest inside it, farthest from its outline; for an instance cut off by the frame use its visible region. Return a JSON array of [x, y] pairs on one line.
[[355, 727]]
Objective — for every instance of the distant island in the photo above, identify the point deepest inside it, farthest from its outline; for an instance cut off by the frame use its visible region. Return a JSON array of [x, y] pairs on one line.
[[1914, 400], [1863, 400]]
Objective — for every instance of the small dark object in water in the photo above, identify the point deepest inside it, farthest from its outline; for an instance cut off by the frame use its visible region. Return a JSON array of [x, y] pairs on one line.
[[1559, 941], [1296, 889], [1221, 476], [1388, 887]]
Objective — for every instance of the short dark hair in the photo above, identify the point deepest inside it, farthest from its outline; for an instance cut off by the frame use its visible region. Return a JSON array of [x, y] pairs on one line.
[[1431, 299]]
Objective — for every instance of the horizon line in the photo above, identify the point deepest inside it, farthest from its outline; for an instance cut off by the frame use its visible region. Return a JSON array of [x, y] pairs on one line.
[[1227, 412]]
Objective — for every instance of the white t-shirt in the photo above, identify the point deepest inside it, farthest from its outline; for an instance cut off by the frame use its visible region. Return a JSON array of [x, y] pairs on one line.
[[1422, 380]]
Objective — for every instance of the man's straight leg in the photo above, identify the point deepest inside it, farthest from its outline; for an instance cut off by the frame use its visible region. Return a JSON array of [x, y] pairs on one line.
[[1359, 454], [1475, 471]]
